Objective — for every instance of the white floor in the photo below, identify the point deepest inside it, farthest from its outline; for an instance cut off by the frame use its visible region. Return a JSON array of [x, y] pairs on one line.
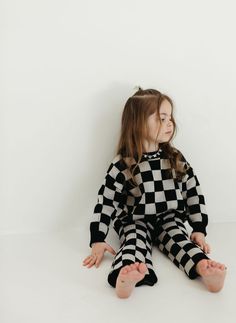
[[42, 280]]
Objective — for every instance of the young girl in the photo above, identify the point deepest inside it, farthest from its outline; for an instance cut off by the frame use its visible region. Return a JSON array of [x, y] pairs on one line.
[[149, 191]]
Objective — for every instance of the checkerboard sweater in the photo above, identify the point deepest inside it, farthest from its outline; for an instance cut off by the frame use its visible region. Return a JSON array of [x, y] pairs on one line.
[[155, 195]]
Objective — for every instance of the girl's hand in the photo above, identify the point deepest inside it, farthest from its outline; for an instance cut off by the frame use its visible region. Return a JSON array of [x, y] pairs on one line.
[[98, 250], [199, 239]]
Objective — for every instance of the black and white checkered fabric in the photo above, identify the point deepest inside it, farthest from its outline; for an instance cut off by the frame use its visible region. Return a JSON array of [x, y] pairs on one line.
[[155, 196], [171, 237]]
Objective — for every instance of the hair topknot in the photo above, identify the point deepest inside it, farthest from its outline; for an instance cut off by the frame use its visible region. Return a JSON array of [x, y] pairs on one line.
[[138, 88]]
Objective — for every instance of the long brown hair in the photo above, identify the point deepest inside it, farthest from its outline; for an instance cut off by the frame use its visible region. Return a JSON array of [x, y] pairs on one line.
[[134, 130]]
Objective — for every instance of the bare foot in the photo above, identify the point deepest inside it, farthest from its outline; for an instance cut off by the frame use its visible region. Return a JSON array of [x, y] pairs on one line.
[[212, 273], [128, 277]]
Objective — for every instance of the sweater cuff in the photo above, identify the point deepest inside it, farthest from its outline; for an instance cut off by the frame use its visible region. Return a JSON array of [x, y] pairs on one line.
[[198, 227], [97, 237]]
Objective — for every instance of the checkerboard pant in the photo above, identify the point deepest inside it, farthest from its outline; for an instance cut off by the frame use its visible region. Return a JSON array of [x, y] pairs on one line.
[[171, 237]]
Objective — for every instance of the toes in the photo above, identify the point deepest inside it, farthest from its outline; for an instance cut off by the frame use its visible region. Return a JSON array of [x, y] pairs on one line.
[[213, 264], [203, 264], [129, 268], [210, 263], [137, 265], [214, 267], [142, 268], [134, 266], [124, 270], [218, 265]]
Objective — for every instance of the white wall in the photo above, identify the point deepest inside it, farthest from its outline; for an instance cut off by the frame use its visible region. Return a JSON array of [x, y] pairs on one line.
[[68, 68]]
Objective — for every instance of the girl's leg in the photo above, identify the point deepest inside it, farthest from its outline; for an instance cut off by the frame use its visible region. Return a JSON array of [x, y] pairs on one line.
[[173, 240], [136, 244]]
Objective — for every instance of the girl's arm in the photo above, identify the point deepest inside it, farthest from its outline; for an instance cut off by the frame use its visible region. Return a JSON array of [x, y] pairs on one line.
[[194, 200], [110, 195]]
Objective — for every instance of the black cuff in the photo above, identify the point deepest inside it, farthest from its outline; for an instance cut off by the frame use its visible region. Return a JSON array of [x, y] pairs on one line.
[[96, 237], [198, 227]]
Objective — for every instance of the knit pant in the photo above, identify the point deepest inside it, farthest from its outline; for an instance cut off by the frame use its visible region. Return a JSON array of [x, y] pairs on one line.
[[171, 237]]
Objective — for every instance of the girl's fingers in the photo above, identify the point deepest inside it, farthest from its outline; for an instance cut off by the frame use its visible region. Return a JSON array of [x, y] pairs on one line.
[[98, 261], [93, 260], [90, 261], [201, 246], [90, 265], [87, 259], [192, 238], [96, 257], [85, 262], [204, 246], [207, 248], [198, 243]]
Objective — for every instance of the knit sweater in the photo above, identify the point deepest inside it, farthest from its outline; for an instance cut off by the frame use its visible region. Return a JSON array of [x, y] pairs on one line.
[[155, 195]]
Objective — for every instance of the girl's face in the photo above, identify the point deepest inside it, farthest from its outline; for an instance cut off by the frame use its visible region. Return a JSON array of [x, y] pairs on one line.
[[165, 125]]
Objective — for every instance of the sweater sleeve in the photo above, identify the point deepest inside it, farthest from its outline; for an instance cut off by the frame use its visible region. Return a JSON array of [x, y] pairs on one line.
[[194, 200], [110, 196]]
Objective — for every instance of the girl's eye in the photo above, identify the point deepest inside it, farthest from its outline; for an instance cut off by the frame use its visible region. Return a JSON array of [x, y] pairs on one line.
[[165, 119]]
